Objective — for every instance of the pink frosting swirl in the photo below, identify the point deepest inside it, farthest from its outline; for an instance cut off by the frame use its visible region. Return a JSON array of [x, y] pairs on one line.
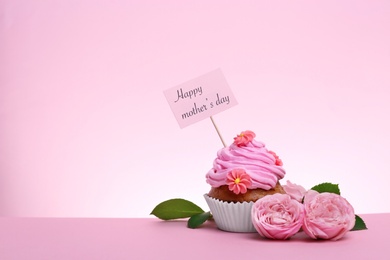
[[262, 165]]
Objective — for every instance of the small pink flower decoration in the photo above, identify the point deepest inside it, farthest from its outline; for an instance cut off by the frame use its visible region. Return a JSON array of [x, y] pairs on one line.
[[277, 216], [327, 215], [297, 192], [238, 181], [278, 161], [244, 138]]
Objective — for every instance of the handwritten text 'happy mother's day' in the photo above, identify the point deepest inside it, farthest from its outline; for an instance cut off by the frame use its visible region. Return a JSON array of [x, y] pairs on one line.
[[200, 98], [207, 104]]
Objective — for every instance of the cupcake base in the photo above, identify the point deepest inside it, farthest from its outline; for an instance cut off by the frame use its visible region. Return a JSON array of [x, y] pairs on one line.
[[223, 193], [230, 216]]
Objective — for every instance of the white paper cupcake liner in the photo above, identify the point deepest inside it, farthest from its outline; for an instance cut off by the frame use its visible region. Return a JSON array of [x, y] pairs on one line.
[[230, 216]]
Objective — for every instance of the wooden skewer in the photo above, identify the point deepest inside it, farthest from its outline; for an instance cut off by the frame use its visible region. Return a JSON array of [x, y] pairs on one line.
[[219, 134]]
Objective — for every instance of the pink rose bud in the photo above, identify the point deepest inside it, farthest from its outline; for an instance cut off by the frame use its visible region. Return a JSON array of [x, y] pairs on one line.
[[277, 216], [327, 215], [297, 192]]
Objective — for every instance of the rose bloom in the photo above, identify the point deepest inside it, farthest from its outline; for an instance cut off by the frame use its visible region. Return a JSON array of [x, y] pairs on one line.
[[327, 215], [296, 192], [277, 216]]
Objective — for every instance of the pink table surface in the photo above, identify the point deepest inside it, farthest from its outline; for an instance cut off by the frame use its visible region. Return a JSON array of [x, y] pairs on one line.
[[149, 238]]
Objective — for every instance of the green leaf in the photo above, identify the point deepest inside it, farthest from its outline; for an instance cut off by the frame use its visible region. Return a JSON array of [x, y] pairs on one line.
[[176, 208], [359, 224], [327, 187], [197, 220]]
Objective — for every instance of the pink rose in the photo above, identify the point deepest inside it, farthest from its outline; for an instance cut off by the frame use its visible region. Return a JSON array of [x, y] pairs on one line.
[[277, 216], [297, 192], [327, 215]]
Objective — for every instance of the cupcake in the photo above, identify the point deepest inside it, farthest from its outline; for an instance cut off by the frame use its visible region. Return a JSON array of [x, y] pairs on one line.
[[242, 173]]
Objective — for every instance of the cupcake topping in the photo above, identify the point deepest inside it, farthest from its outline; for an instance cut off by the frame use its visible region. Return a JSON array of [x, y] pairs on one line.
[[277, 159], [244, 138], [238, 181], [246, 164]]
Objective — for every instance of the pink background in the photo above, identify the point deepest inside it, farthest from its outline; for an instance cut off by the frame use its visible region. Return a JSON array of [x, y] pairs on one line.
[[85, 129]]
